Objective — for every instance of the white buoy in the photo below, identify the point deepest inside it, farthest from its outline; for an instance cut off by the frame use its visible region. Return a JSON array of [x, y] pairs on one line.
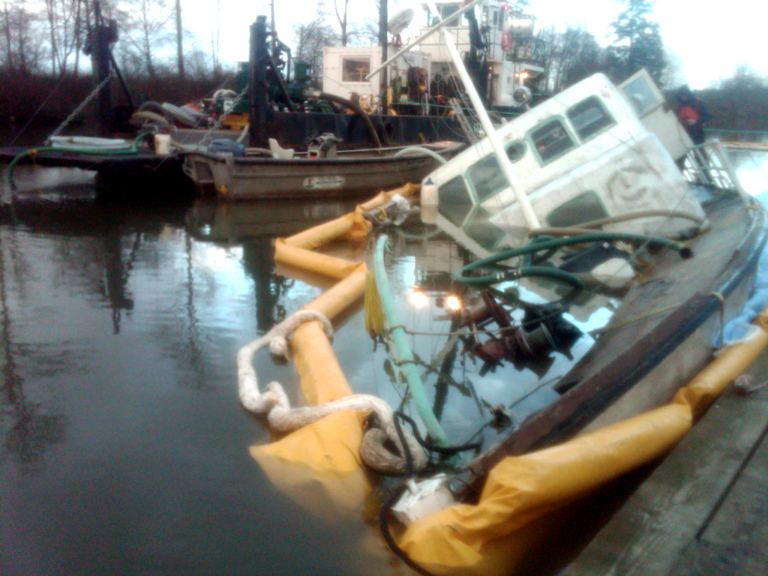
[[163, 144], [429, 202]]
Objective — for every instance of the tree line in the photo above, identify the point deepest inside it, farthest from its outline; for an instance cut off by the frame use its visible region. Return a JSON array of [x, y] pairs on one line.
[[42, 42]]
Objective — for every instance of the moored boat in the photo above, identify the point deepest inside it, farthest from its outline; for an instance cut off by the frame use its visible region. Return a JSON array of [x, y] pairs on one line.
[[346, 173]]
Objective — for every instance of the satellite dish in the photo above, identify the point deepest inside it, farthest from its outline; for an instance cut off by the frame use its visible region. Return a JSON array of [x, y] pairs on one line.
[[400, 21]]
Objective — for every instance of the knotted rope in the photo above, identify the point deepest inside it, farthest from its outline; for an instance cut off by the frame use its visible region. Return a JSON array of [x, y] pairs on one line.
[[273, 402]]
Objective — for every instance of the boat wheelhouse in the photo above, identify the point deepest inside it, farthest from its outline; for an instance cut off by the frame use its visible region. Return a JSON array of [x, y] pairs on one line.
[[582, 155]]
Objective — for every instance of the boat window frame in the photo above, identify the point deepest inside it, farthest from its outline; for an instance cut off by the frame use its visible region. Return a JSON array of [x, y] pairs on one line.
[[571, 200], [351, 58], [568, 130], [471, 183], [647, 82], [447, 214], [605, 110]]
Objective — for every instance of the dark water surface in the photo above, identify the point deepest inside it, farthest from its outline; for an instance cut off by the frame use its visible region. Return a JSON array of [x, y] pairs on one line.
[[124, 447]]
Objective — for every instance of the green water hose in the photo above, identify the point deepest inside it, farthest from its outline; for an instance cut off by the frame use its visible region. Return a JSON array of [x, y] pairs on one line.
[[133, 149], [405, 360], [550, 244]]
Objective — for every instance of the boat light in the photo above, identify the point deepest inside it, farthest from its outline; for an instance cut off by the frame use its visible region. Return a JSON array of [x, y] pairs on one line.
[[418, 299], [453, 303]]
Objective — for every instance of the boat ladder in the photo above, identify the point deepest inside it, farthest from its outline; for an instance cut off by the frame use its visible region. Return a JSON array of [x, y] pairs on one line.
[[466, 127], [708, 165]]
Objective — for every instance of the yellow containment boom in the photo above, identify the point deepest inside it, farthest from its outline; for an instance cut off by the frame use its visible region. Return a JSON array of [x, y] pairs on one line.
[[319, 465], [523, 494]]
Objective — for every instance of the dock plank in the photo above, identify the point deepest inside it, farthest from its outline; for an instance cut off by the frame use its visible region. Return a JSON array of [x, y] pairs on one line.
[[733, 540], [656, 531]]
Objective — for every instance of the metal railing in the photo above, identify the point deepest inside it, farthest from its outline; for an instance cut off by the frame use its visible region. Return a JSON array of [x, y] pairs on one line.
[[708, 165]]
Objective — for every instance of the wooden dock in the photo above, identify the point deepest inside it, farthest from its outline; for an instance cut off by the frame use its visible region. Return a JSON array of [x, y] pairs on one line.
[[704, 510]]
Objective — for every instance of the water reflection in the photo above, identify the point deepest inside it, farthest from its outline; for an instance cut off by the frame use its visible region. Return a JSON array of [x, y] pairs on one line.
[[26, 431], [120, 429]]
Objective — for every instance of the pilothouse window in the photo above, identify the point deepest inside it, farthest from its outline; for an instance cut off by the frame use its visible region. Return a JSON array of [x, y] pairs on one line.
[[641, 95], [486, 176], [551, 140], [355, 69], [589, 117], [454, 200]]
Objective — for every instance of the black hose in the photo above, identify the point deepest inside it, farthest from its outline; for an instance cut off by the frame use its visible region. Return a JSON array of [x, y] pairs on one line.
[[360, 112], [384, 527], [444, 450]]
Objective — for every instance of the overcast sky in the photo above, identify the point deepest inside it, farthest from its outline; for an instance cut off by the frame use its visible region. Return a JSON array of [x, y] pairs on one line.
[[710, 42]]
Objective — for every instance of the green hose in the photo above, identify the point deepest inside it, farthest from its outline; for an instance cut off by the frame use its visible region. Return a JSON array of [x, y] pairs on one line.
[[652, 241], [405, 358], [101, 152]]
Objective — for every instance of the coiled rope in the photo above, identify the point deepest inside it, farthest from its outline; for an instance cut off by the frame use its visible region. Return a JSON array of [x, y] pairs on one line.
[[273, 402]]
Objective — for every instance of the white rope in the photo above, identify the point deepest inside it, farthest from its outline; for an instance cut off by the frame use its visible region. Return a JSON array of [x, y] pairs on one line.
[[273, 402]]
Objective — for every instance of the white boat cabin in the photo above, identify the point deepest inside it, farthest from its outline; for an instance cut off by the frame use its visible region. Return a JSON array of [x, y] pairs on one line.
[[345, 69], [582, 155]]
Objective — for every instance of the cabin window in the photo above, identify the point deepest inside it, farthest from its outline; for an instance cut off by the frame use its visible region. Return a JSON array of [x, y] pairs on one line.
[[481, 230], [589, 117], [583, 208], [355, 69], [551, 140], [486, 176], [446, 10], [641, 95], [454, 200]]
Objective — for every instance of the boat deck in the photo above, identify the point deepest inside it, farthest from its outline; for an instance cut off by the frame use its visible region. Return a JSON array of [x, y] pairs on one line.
[[704, 510], [675, 307], [66, 159]]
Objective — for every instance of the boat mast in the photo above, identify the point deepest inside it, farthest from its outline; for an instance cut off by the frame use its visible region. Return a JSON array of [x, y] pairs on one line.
[[493, 138], [498, 148], [257, 118], [383, 43], [100, 58]]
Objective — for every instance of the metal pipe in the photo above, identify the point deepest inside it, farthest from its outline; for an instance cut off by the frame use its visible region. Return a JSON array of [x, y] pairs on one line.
[[257, 118]]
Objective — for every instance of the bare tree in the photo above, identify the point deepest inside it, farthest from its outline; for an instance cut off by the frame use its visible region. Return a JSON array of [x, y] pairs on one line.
[[570, 55], [64, 32], [147, 23], [342, 18], [23, 33], [179, 41], [311, 37], [673, 75]]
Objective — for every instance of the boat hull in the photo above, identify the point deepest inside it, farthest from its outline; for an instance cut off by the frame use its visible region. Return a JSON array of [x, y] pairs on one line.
[[271, 178]]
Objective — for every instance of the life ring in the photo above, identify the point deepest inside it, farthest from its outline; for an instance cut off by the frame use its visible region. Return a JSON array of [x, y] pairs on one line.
[[506, 40]]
